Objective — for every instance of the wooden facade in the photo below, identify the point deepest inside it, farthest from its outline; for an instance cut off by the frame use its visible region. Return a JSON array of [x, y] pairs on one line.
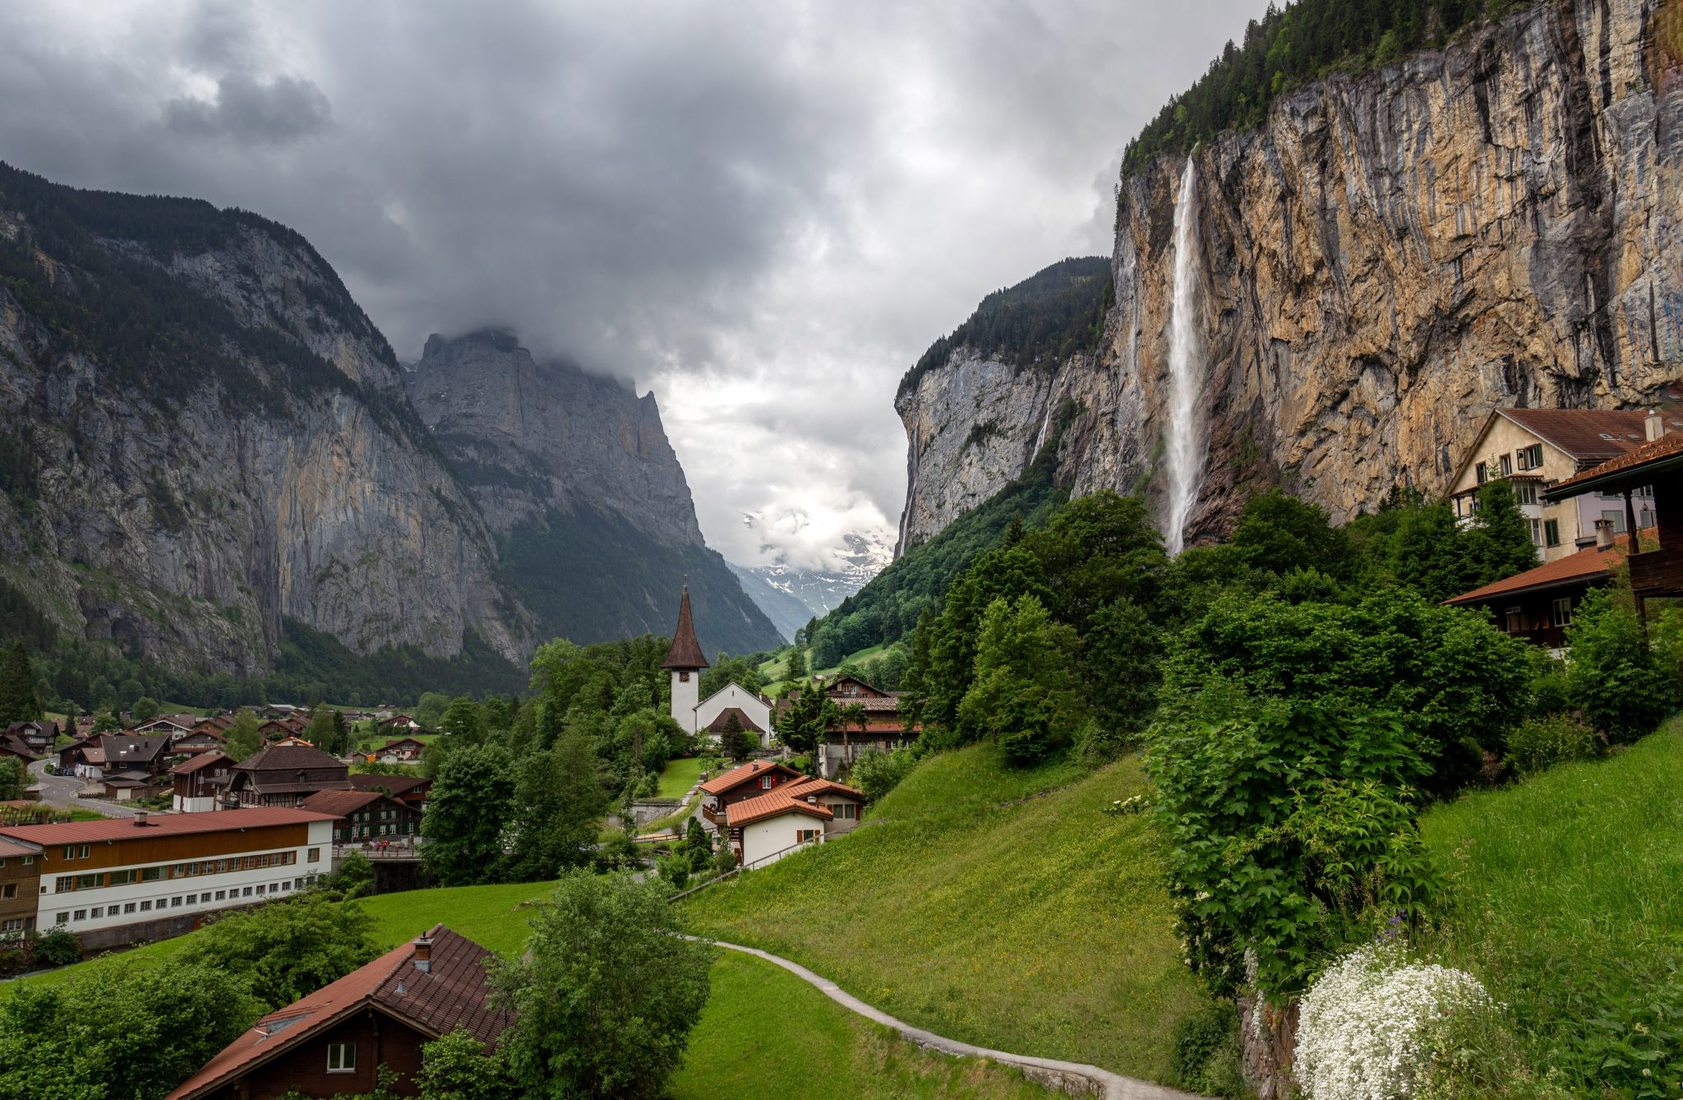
[[1657, 466], [20, 884]]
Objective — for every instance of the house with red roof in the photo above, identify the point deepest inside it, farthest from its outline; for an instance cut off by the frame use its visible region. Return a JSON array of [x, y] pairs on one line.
[[790, 816], [404, 750], [741, 783], [335, 1040], [882, 729], [1537, 604]]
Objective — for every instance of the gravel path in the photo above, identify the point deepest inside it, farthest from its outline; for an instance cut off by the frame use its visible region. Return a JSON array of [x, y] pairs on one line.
[[1074, 1078]]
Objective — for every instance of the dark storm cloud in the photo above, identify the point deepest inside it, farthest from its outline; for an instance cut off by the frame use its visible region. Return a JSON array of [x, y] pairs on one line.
[[764, 209]]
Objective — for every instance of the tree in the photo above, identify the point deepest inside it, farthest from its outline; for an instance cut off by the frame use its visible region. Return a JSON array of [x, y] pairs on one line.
[[734, 741], [1277, 533], [126, 1031], [243, 739], [18, 701], [807, 720], [14, 778], [605, 994], [144, 709], [463, 721], [285, 950], [1498, 542], [852, 716], [468, 813], [323, 731], [1023, 694], [558, 812], [743, 671], [1612, 676], [455, 1066]]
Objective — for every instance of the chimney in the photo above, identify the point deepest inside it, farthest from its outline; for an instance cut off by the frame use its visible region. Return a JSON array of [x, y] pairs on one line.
[[1653, 425], [423, 954], [1603, 534], [140, 820]]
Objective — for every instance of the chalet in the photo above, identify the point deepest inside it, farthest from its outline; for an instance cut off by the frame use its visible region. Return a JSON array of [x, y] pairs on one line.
[[84, 757], [12, 744], [400, 722], [129, 785], [1537, 448], [740, 784], [710, 716], [283, 775], [38, 734], [196, 781], [1537, 604], [1653, 472], [97, 876], [173, 726], [276, 728], [411, 790], [365, 816], [96, 756], [20, 886], [333, 1041], [200, 740], [883, 729], [765, 828], [405, 750]]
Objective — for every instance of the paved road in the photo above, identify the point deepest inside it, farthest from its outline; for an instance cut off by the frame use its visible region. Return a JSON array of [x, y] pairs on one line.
[[63, 791]]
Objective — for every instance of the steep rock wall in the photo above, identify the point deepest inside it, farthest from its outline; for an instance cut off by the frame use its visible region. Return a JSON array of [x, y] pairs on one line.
[[1389, 257]]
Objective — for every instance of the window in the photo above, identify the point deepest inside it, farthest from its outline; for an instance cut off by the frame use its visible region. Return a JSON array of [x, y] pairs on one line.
[[1507, 466], [81, 914], [1514, 621], [766, 782], [63, 918], [315, 855], [151, 874], [683, 677], [1530, 458], [262, 889], [128, 907], [121, 878], [192, 899], [28, 860], [1536, 532], [1482, 472], [248, 891], [846, 811], [1525, 492], [1616, 517], [175, 902], [89, 882], [8, 891], [804, 835], [1551, 532], [146, 906], [97, 911], [341, 1057], [221, 895]]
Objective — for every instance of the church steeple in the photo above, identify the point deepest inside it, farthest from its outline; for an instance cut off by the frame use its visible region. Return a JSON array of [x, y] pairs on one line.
[[685, 654]]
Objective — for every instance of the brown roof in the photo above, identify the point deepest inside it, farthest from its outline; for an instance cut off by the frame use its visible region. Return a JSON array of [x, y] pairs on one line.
[[157, 825], [10, 847], [340, 803], [1573, 569], [396, 784], [1627, 469], [774, 803], [13, 744], [451, 994], [280, 757], [686, 651], [123, 748], [719, 724], [1588, 435], [203, 760], [727, 781]]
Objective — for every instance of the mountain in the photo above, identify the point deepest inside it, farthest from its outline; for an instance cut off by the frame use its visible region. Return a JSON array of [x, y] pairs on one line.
[[204, 440], [592, 516], [792, 596], [1385, 253]]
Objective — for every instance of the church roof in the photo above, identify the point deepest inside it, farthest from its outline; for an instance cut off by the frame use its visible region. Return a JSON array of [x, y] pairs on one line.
[[686, 651]]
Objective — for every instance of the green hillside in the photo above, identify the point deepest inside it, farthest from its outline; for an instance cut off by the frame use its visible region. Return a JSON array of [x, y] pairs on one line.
[[995, 906]]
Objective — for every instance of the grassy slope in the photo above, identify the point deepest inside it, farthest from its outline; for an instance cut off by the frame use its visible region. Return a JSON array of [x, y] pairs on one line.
[[999, 907], [1567, 887], [767, 1033], [680, 775]]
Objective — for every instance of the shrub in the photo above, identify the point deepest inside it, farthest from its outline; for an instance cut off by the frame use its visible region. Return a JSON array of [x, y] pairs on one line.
[[1364, 1028], [1538, 744], [1206, 1050], [1612, 676], [57, 948], [725, 861], [877, 773]]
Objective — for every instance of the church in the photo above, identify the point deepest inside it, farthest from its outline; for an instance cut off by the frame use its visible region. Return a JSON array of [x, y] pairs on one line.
[[709, 717]]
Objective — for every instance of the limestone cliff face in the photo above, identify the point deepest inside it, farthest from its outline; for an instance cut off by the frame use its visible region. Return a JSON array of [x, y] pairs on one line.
[[1387, 258], [184, 486]]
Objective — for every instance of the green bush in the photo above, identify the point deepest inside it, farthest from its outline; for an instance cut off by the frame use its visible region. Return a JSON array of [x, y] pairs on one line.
[[1206, 1051], [1612, 675], [1538, 744], [877, 773], [57, 948]]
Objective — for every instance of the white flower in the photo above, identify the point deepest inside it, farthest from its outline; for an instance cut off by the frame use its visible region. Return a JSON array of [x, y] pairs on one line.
[[1361, 1032]]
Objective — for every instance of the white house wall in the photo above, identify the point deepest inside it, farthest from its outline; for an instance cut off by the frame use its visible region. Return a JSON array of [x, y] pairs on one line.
[[734, 695], [773, 835]]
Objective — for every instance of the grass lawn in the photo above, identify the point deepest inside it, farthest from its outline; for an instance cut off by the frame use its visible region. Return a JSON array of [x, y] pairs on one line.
[[765, 1032], [680, 775], [995, 906], [1565, 892]]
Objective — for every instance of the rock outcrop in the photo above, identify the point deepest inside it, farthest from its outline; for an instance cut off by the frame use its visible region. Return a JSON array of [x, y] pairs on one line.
[[1388, 257]]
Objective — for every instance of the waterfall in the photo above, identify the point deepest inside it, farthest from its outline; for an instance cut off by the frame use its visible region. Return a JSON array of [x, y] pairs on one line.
[[1186, 442]]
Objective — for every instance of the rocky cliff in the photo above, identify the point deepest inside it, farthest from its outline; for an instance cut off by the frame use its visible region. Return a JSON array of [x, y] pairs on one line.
[[1389, 256], [573, 472], [202, 436]]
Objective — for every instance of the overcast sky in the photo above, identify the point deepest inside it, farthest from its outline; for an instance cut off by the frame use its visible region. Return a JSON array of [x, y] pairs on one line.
[[762, 211]]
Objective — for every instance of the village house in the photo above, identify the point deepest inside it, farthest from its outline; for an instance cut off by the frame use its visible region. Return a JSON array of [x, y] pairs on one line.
[[711, 716], [39, 735], [405, 750], [411, 790], [1537, 448], [333, 1041], [366, 816], [803, 811], [196, 781], [111, 755], [151, 876], [1537, 604], [20, 887], [750, 780], [284, 775], [202, 739], [846, 739], [173, 726], [12, 744], [400, 722]]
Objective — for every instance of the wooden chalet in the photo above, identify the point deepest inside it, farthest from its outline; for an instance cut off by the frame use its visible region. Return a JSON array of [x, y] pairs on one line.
[[1537, 604], [283, 775], [366, 816], [884, 730], [1656, 466], [767, 826], [751, 780], [333, 1041], [39, 735], [404, 750], [20, 887], [197, 780], [411, 790], [203, 739], [13, 745]]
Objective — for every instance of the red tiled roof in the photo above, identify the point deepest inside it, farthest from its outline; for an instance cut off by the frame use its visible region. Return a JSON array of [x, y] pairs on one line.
[[1576, 568], [10, 847], [737, 776], [340, 803], [773, 803], [203, 760], [809, 785], [686, 651], [451, 994], [1588, 435], [88, 832], [1667, 448]]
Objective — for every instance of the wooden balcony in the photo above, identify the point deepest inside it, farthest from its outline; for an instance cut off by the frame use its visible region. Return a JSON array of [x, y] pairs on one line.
[[1658, 572]]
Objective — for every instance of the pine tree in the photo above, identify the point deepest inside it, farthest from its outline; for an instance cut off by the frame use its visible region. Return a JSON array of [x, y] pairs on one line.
[[18, 700]]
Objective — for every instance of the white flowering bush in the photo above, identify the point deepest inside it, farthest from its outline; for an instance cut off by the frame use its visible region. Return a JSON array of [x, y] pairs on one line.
[[1365, 1027]]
